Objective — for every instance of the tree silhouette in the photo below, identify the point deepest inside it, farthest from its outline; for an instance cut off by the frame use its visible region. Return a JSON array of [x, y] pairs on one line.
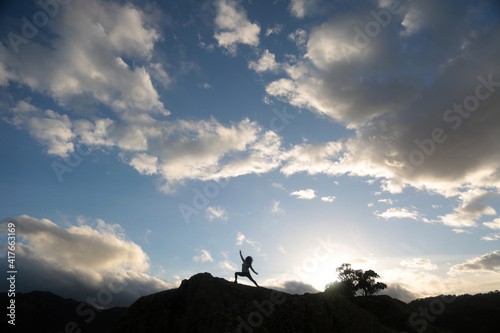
[[351, 281], [367, 283]]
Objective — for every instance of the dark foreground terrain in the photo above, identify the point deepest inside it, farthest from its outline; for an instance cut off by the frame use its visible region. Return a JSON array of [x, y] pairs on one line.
[[209, 304]]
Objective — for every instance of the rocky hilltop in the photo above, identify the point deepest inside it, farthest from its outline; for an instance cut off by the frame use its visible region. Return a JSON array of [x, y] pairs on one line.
[[209, 304]]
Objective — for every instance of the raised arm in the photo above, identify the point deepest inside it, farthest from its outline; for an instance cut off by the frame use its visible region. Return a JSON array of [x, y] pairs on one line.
[[242, 257]]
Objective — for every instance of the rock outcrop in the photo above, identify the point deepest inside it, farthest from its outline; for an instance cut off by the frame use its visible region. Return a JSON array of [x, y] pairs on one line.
[[209, 304]]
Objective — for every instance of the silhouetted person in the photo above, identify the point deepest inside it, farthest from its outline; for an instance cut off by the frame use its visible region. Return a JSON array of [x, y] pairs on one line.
[[247, 264]]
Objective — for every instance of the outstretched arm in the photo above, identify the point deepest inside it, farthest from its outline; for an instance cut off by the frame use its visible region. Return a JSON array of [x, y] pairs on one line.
[[242, 257], [253, 270]]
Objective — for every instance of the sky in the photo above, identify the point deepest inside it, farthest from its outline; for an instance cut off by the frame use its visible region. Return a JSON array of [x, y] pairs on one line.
[[143, 142]]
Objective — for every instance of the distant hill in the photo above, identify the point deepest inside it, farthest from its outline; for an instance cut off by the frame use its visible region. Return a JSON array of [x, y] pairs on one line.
[[461, 314], [209, 304], [44, 312]]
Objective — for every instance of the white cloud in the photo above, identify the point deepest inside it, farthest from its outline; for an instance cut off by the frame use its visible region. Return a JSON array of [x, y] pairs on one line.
[[363, 260], [399, 213], [267, 62], [387, 201], [312, 158], [241, 240], [81, 260], [489, 262], [145, 238], [277, 185], [96, 133], [297, 8], [495, 224], [233, 26], [159, 73], [304, 194], [274, 30], [330, 198], [491, 237], [196, 150], [212, 213], [472, 208], [303, 8], [299, 36], [204, 150], [48, 127], [276, 209], [175, 150], [204, 256], [227, 265], [144, 163], [411, 22], [86, 58], [460, 231], [419, 283], [418, 263]]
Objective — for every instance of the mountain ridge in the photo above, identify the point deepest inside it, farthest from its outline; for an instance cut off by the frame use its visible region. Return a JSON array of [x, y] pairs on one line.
[[204, 303]]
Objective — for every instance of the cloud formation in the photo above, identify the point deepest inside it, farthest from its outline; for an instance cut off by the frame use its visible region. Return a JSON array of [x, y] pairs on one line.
[[96, 61], [495, 224], [242, 239], [276, 209], [228, 266], [212, 213], [204, 256], [489, 262], [304, 194], [87, 58], [175, 151], [80, 261], [422, 111], [50, 128], [471, 209], [434, 133], [267, 62], [419, 263], [330, 198], [398, 213], [233, 26]]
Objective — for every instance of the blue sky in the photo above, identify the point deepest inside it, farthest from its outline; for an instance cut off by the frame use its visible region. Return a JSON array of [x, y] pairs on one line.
[[144, 142]]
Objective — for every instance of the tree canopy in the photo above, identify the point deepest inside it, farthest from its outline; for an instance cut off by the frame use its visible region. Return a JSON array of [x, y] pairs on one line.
[[354, 281]]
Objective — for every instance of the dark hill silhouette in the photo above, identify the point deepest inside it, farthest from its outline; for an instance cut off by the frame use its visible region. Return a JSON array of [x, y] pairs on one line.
[[45, 312], [465, 313], [209, 304]]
